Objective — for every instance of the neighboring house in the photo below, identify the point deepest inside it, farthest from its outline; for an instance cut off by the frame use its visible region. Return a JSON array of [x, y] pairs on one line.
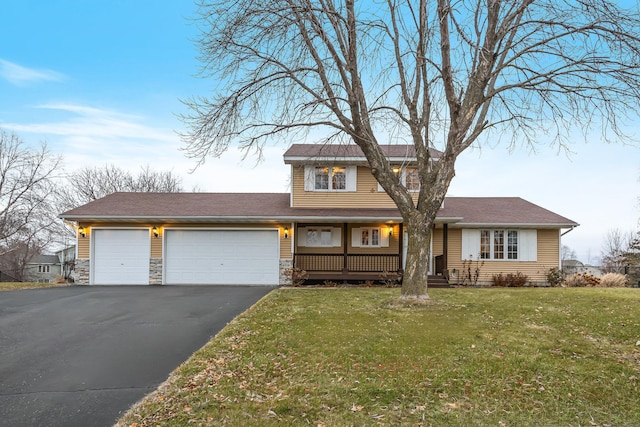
[[336, 223], [42, 269], [67, 258], [572, 266]]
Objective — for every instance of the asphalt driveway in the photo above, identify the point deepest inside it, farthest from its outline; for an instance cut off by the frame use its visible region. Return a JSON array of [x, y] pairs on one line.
[[81, 356]]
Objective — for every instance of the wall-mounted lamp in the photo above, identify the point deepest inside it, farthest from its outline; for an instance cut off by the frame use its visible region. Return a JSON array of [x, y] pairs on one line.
[[82, 232], [390, 230], [155, 232], [286, 232]]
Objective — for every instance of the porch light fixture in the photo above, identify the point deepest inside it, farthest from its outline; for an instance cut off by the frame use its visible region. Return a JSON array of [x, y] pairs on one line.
[[82, 232], [286, 232], [390, 230], [155, 232]]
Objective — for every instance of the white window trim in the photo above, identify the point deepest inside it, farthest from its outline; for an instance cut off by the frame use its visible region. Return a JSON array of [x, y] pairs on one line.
[[303, 233], [310, 179], [527, 245], [403, 179], [383, 237]]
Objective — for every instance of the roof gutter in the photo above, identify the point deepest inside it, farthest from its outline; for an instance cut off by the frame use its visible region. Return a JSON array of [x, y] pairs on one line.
[[569, 230]]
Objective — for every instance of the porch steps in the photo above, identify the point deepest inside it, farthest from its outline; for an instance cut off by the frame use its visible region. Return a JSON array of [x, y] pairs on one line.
[[437, 282]]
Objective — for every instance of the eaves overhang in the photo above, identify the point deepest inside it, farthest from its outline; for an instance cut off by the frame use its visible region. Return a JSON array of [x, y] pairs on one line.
[[245, 219]]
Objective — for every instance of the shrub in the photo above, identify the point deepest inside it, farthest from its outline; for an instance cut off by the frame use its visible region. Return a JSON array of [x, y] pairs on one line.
[[511, 280], [580, 280], [613, 280], [391, 279], [554, 276], [297, 276]]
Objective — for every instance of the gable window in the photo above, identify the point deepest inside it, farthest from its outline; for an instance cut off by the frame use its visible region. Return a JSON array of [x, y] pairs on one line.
[[330, 178], [514, 245]]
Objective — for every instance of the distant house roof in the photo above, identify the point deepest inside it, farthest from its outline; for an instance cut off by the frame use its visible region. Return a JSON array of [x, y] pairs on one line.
[[44, 259], [300, 153], [273, 207]]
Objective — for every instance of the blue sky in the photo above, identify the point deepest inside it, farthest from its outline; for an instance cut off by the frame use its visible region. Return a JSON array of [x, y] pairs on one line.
[[100, 82]]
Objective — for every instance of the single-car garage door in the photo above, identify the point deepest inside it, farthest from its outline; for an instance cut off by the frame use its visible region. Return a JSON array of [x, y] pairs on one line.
[[120, 257], [222, 257]]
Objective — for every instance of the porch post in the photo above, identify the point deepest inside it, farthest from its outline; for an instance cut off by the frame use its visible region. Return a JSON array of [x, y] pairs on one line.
[[400, 246], [345, 237], [445, 247]]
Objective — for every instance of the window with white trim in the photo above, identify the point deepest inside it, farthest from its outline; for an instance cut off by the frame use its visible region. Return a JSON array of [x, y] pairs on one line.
[[500, 244], [44, 269], [370, 237], [408, 177], [330, 178], [319, 237]]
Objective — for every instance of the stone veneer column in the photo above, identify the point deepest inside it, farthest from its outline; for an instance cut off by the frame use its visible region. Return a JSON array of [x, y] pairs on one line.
[[155, 271], [285, 264], [82, 271]]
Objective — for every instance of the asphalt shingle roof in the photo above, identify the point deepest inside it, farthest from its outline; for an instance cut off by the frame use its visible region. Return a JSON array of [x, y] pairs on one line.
[[201, 207]]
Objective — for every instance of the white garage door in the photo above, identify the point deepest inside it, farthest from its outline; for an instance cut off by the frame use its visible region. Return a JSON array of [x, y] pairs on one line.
[[222, 257], [121, 257]]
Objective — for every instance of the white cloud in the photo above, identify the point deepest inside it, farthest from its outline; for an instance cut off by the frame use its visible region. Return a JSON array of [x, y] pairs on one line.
[[20, 76]]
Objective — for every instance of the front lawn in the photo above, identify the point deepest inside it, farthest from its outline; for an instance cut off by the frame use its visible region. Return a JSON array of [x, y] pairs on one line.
[[338, 357], [13, 286]]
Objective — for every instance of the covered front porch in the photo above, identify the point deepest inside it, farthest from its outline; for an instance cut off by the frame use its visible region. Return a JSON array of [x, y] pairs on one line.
[[360, 252]]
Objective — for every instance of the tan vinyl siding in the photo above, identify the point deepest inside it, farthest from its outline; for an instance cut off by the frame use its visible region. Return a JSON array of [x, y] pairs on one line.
[[437, 246], [548, 256], [365, 196], [84, 244]]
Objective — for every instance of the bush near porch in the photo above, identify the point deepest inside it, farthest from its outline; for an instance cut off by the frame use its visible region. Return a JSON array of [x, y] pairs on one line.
[[340, 356]]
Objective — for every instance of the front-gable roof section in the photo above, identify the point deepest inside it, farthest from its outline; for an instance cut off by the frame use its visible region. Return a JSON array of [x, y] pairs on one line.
[[349, 154], [274, 207]]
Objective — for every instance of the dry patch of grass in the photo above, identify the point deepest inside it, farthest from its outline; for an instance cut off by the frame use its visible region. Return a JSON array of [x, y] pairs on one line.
[[13, 286], [329, 357]]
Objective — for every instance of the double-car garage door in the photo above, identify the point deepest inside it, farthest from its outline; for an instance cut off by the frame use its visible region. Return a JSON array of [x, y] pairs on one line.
[[191, 256]]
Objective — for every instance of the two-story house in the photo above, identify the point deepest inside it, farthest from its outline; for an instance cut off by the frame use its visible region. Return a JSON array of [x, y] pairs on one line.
[[336, 223]]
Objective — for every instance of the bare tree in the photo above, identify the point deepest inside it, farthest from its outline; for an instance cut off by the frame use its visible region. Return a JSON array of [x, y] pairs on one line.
[[91, 183], [436, 74], [26, 201], [614, 250]]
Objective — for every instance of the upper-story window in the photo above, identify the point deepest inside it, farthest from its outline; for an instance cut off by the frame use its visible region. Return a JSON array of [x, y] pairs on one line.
[[330, 178], [408, 176], [44, 269]]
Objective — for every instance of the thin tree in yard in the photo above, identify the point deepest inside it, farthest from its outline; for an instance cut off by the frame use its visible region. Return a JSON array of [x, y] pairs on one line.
[[26, 197], [435, 74]]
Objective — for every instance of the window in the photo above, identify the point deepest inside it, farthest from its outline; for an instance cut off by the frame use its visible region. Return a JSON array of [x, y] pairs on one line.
[[412, 181], [369, 237], [338, 178], [322, 178], [492, 244], [512, 244], [319, 237], [408, 177], [44, 269], [499, 245], [330, 178]]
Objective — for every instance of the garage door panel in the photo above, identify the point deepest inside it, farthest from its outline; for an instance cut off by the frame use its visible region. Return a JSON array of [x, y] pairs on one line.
[[221, 257], [120, 257]]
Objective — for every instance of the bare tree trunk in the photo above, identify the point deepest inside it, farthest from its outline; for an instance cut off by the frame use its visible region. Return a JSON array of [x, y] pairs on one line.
[[414, 280]]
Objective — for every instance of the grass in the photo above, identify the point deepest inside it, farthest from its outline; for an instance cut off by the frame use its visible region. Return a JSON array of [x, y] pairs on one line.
[[341, 357], [14, 286]]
